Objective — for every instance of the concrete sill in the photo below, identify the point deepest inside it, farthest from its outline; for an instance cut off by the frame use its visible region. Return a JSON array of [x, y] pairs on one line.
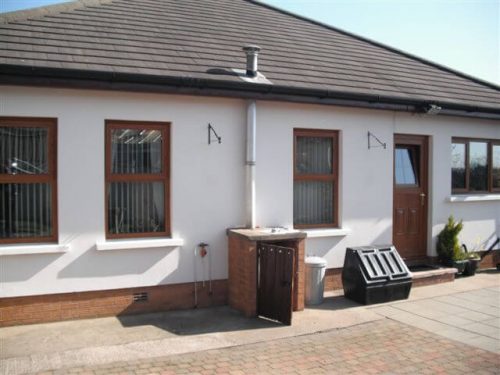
[[336, 232], [27, 249], [474, 198], [138, 244]]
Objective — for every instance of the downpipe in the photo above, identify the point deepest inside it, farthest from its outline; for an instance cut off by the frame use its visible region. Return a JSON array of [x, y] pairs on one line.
[[251, 159]]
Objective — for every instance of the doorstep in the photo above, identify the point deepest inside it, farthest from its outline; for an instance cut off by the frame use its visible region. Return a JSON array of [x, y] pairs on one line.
[[433, 276]]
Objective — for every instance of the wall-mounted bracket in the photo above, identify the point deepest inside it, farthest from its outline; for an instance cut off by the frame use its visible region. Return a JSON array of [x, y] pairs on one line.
[[210, 131], [380, 144]]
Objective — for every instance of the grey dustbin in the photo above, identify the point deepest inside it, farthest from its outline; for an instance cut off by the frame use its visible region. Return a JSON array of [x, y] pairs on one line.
[[315, 280]]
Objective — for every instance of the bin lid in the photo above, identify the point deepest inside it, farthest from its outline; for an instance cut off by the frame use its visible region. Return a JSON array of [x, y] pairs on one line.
[[315, 262]]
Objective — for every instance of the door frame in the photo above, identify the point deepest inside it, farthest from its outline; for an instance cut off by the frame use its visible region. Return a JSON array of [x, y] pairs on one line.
[[424, 174]]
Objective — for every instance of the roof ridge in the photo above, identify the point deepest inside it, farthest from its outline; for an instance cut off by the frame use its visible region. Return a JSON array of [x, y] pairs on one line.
[[25, 14], [379, 44]]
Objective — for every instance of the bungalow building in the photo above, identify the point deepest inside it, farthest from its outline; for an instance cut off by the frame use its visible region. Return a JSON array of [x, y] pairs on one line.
[[134, 133]]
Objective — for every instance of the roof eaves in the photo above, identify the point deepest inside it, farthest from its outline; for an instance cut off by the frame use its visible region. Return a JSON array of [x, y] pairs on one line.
[[73, 78], [47, 10], [381, 45]]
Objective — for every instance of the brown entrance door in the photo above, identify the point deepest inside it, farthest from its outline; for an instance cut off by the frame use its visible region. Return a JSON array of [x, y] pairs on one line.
[[274, 282], [410, 196]]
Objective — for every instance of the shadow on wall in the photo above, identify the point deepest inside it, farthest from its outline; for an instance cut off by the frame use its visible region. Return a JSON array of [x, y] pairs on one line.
[[323, 247], [24, 267], [320, 247], [93, 263]]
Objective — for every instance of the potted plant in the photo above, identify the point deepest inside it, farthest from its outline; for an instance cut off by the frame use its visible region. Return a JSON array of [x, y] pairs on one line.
[[448, 248], [473, 260]]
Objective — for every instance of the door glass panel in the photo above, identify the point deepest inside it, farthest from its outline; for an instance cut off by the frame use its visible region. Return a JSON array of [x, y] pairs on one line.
[[313, 202], [458, 165], [478, 164], [136, 151], [495, 175], [406, 170], [314, 155], [23, 150]]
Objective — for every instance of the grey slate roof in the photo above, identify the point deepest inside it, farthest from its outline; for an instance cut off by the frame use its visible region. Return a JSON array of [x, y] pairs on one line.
[[196, 41]]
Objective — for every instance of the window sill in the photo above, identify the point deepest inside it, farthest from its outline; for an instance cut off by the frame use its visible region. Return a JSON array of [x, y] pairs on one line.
[[138, 244], [334, 232], [474, 198], [27, 249]]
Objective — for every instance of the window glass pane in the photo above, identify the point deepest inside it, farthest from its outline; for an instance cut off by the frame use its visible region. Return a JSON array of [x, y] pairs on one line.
[[458, 165], [23, 150], [314, 155], [136, 151], [496, 166], [478, 164], [136, 207], [313, 202], [405, 168], [25, 210]]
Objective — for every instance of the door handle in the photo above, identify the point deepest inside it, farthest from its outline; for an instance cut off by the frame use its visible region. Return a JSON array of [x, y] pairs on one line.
[[422, 199]]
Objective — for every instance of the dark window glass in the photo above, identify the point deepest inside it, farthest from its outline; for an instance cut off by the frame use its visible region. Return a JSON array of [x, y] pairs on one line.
[[137, 179], [28, 180], [478, 164], [136, 151], [314, 155], [406, 166], [495, 174], [315, 178], [26, 210], [313, 202], [23, 150], [136, 207], [458, 165]]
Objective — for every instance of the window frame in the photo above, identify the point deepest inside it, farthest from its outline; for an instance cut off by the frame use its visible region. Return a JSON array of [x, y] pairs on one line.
[[164, 176], [47, 178], [333, 177], [466, 141], [493, 142]]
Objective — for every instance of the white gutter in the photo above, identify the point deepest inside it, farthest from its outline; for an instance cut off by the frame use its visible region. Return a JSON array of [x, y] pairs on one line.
[[250, 163]]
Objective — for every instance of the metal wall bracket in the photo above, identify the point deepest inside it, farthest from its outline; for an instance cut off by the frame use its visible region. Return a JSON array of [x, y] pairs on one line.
[[210, 131], [380, 144]]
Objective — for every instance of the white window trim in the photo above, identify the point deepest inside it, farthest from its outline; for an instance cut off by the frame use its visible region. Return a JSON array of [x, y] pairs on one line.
[[473, 198], [138, 244], [27, 249]]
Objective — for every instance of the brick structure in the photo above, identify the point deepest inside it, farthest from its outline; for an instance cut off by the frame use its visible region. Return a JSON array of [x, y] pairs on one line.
[[490, 260], [242, 259], [56, 307], [333, 279]]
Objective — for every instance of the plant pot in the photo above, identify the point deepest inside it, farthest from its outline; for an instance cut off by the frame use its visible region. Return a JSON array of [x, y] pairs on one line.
[[471, 267], [460, 265]]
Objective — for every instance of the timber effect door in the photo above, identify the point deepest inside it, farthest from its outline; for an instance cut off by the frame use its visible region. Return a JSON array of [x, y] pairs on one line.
[[275, 270], [410, 196]]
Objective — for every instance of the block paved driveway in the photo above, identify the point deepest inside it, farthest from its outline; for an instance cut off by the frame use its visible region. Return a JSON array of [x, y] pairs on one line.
[[383, 346]]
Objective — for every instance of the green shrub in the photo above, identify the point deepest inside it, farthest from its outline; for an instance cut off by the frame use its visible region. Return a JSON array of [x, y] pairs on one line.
[[448, 247]]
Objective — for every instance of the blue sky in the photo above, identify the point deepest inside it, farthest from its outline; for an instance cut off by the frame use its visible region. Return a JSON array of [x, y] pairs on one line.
[[461, 34]]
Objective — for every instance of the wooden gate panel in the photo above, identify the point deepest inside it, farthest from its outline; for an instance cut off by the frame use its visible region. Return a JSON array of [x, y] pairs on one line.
[[275, 282]]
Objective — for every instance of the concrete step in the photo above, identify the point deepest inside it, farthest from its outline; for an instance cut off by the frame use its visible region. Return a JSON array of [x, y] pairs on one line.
[[430, 275]]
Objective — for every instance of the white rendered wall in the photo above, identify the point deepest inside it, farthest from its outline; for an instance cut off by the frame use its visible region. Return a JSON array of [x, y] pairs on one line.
[[208, 182], [207, 189], [366, 182]]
